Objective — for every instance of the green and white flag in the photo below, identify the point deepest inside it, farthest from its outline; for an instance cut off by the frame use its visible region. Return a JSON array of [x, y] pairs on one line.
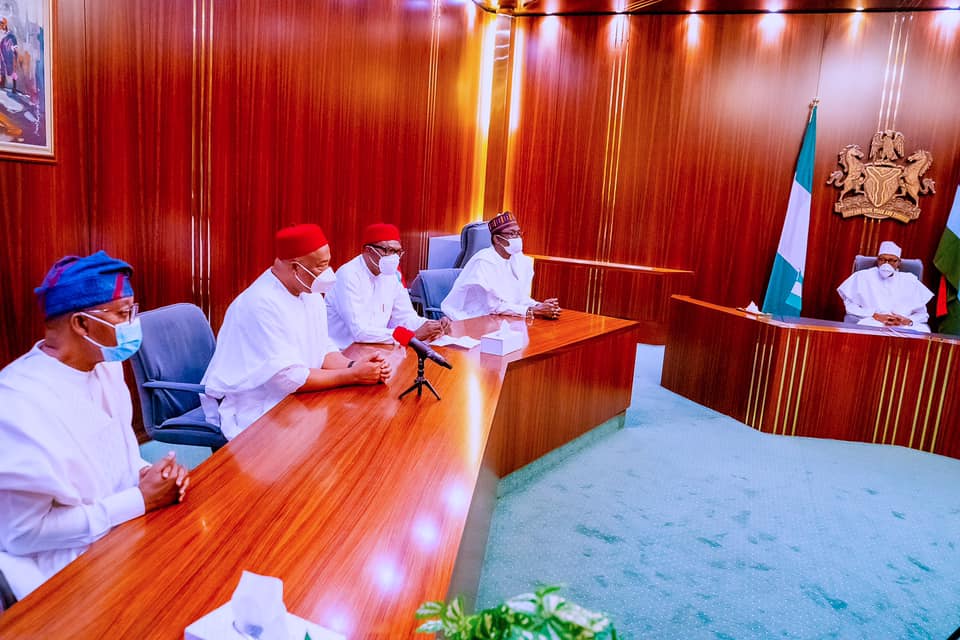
[[785, 290], [947, 261]]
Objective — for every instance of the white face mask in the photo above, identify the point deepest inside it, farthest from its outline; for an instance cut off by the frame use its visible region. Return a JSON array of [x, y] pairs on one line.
[[886, 270], [324, 282], [513, 246], [388, 265], [320, 284]]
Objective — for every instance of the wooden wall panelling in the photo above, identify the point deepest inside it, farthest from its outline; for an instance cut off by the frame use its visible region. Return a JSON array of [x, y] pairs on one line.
[[451, 196], [570, 284], [713, 112], [44, 206], [855, 67], [700, 6], [140, 97], [557, 152], [330, 114], [641, 295], [711, 146]]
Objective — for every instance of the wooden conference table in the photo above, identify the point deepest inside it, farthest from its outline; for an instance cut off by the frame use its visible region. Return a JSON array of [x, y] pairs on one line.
[[817, 378], [363, 504]]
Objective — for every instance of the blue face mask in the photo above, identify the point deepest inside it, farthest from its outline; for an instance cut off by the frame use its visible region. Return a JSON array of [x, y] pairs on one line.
[[129, 336]]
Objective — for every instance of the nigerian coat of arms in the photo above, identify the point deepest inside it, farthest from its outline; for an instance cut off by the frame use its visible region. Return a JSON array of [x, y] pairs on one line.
[[882, 188]]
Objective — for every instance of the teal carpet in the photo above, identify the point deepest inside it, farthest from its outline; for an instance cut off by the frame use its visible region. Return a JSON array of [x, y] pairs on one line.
[[188, 456], [688, 524]]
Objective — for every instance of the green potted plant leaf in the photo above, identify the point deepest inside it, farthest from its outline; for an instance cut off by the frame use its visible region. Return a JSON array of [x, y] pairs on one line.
[[542, 615]]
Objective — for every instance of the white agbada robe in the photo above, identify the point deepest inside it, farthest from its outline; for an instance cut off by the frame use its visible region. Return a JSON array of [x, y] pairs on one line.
[[867, 292], [269, 341], [69, 464], [489, 284], [363, 307]]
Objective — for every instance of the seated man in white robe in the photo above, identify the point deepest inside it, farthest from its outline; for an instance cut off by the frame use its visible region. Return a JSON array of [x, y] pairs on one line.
[[70, 467], [498, 280], [884, 296], [368, 300], [274, 338]]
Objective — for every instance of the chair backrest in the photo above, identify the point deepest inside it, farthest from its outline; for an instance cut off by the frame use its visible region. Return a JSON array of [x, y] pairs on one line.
[[473, 237], [910, 265], [177, 346], [435, 285], [7, 599]]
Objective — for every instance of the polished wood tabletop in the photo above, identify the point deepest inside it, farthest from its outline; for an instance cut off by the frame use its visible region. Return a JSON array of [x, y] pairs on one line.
[[356, 499]]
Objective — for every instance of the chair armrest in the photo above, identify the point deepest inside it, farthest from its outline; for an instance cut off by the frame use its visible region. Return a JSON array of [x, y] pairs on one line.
[[174, 386]]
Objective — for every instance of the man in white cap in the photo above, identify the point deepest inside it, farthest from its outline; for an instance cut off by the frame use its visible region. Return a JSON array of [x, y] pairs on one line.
[[498, 280], [885, 296]]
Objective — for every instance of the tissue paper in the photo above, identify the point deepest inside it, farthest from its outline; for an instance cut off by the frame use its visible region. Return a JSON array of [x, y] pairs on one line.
[[258, 608]]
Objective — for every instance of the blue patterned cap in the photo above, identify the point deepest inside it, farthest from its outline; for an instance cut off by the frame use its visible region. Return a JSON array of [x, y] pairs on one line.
[[75, 283]]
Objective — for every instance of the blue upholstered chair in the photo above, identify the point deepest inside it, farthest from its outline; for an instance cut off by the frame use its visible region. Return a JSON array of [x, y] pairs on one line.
[[435, 285], [473, 237], [177, 346], [7, 599], [910, 265]]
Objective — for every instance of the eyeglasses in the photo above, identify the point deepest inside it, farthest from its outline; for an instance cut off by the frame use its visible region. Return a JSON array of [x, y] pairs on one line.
[[509, 235], [891, 260], [128, 314], [386, 251]]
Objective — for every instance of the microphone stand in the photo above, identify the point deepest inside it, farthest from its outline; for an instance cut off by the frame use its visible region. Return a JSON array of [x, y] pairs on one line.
[[421, 381]]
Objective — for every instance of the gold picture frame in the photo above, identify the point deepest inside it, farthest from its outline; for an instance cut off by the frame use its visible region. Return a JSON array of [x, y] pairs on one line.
[[26, 79]]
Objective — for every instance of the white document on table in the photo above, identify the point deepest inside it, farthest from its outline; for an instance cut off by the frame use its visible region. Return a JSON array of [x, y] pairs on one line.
[[464, 342]]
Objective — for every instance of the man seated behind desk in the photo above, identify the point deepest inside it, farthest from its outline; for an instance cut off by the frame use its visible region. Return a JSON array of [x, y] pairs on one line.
[[369, 300], [885, 296], [70, 468], [274, 339], [498, 279]]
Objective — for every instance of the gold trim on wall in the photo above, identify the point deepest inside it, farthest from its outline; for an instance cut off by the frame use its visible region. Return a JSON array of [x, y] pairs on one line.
[[201, 153]]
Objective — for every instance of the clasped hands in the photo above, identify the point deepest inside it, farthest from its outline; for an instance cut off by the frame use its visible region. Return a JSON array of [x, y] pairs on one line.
[[893, 319], [549, 309], [372, 369], [164, 482], [433, 329]]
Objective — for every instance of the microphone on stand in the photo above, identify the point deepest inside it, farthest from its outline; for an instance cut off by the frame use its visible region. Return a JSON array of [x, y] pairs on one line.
[[408, 339]]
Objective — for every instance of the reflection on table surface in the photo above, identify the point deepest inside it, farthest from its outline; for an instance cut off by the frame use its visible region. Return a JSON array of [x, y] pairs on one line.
[[356, 499]]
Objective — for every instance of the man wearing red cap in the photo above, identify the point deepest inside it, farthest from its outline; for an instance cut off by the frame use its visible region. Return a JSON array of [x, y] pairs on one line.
[[498, 280], [274, 338], [368, 300]]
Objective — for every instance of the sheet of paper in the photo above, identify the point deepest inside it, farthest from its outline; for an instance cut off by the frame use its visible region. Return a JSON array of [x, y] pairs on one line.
[[464, 342]]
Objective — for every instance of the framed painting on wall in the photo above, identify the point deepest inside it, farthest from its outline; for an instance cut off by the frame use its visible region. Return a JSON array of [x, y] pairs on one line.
[[26, 71]]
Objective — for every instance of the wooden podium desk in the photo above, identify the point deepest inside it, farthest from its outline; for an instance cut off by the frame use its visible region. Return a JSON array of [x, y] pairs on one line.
[[817, 378], [365, 505]]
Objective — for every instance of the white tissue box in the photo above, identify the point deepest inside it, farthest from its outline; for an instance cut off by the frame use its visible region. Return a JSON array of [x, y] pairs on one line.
[[218, 624], [500, 343]]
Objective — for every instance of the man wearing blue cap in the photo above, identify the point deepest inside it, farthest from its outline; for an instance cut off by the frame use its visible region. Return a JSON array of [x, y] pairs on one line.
[[70, 468]]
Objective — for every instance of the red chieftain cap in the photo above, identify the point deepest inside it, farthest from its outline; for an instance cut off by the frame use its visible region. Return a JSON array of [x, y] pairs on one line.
[[380, 232], [299, 240]]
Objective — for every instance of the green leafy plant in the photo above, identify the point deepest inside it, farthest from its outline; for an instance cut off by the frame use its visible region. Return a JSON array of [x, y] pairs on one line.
[[542, 615]]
